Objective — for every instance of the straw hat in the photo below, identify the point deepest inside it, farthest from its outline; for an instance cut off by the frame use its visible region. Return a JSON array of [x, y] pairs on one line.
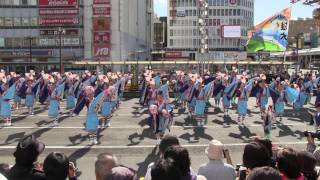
[[214, 151]]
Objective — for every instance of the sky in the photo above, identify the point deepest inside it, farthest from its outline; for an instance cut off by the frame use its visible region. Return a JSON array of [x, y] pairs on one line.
[[263, 9]]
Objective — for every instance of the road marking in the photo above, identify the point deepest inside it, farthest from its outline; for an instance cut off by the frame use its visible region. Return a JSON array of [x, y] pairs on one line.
[[143, 127], [151, 146]]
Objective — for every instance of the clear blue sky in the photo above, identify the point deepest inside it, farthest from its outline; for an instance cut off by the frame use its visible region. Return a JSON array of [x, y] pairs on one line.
[[263, 9]]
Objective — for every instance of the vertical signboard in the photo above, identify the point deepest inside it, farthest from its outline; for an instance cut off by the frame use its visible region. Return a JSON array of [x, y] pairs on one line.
[[101, 12]]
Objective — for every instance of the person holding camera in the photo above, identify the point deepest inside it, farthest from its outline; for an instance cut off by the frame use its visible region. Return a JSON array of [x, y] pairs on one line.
[[216, 169]]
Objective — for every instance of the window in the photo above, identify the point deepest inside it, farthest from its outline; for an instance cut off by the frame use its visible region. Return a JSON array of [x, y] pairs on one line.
[[1, 21], [8, 21], [17, 21], [25, 21], [171, 42]]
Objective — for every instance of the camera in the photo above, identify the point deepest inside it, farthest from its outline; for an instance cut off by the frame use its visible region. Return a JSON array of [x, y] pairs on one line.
[[312, 134]]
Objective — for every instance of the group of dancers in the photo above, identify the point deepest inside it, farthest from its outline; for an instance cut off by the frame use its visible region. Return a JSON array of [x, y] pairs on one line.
[[194, 93], [101, 93]]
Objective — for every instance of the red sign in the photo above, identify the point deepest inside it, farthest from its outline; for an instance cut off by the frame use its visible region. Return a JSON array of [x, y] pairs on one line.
[[101, 1], [58, 2], [101, 24], [58, 21], [101, 37], [173, 54], [101, 50], [103, 11], [58, 11], [233, 2], [50, 32]]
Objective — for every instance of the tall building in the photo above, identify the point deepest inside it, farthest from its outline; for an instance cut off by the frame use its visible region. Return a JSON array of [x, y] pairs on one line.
[[159, 37], [92, 30], [226, 24], [304, 30]]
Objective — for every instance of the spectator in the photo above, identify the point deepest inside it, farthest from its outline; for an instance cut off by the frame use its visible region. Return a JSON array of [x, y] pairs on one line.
[[26, 154], [4, 169], [264, 173], [165, 169], [166, 142], [56, 166], [216, 169], [308, 164], [255, 155], [287, 162], [122, 173], [267, 144], [104, 164], [180, 155]]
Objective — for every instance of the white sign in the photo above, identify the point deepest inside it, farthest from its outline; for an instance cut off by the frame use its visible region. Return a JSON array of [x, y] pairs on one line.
[[231, 31], [181, 13]]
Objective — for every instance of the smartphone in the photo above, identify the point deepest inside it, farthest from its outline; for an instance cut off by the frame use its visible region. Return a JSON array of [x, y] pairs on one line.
[[242, 173]]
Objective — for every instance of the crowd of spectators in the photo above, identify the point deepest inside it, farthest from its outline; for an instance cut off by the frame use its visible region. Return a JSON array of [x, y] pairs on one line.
[[260, 161]]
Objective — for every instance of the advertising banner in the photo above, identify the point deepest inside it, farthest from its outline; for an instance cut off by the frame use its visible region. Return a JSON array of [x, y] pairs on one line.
[[51, 32], [101, 37], [69, 11], [101, 1], [272, 34], [26, 53], [101, 24], [231, 32], [101, 11], [58, 21], [52, 3], [177, 54], [101, 50]]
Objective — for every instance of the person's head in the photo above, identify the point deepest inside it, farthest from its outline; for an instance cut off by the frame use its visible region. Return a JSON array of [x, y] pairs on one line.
[[287, 163], [266, 143], [255, 155], [181, 157], [167, 141], [121, 173], [214, 151], [264, 173], [262, 83], [56, 166], [160, 96], [308, 163], [27, 151], [104, 164], [165, 169]]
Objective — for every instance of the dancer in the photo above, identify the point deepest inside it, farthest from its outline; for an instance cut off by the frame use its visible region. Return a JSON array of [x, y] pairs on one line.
[[56, 93], [244, 94], [30, 94], [92, 120], [162, 117], [106, 107], [7, 96], [70, 103], [228, 93]]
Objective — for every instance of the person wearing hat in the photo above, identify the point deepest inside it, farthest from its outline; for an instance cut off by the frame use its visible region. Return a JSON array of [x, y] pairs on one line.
[[30, 95], [53, 111], [70, 94], [216, 169], [7, 96], [26, 154]]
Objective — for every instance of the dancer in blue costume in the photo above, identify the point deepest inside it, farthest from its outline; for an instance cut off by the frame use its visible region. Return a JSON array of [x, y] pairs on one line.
[[54, 104], [228, 93], [162, 117], [200, 105], [263, 95], [7, 96], [71, 99], [278, 96], [191, 98], [106, 108], [244, 94], [31, 88], [17, 98], [92, 120]]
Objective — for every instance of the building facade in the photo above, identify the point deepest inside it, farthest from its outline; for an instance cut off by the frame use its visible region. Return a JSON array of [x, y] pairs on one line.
[[183, 31], [92, 30]]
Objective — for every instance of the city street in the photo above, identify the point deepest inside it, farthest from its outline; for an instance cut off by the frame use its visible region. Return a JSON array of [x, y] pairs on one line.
[[131, 140]]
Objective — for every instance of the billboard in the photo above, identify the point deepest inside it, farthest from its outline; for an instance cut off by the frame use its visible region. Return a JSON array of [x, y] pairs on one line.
[[50, 3], [60, 11], [101, 50], [231, 31], [176, 54], [101, 11], [26, 53], [101, 24], [272, 34], [101, 37], [101, 1], [58, 21], [51, 32]]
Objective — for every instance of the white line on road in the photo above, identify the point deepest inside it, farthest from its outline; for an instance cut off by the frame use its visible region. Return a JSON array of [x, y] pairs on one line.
[[144, 127], [150, 146]]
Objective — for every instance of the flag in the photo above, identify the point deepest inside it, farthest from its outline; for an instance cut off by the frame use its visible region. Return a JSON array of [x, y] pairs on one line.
[[270, 35]]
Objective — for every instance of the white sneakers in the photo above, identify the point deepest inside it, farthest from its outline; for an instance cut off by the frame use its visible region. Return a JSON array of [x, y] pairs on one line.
[[93, 141], [54, 123]]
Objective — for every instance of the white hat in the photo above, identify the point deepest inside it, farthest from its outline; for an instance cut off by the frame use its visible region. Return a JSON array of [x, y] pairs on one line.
[[214, 150]]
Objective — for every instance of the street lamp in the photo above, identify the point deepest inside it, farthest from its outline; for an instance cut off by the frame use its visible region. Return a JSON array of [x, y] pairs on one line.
[[61, 31]]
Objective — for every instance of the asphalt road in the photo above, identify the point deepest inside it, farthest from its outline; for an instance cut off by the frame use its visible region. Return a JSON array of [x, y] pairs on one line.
[[131, 140]]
